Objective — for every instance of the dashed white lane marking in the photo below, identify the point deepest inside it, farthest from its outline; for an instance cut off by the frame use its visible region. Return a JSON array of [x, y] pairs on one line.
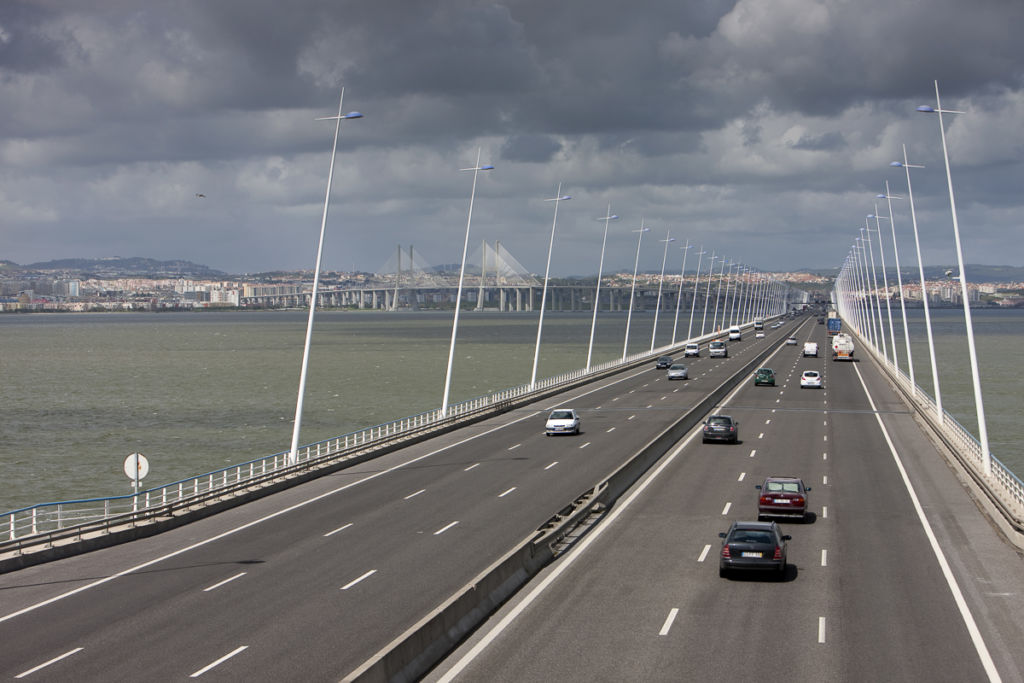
[[340, 528], [825, 437], [610, 430], [725, 510], [824, 557], [704, 553], [355, 581], [616, 398], [585, 445], [471, 467], [824, 480], [46, 664], [742, 475], [821, 629], [512, 448], [761, 435], [502, 495], [824, 512], [220, 661], [551, 465], [445, 528], [650, 405], [631, 417], [753, 452], [824, 456], [663, 398], [218, 585], [413, 495], [668, 621], [768, 421]]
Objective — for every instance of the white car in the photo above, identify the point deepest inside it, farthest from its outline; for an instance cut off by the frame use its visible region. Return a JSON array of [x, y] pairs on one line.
[[759, 334], [562, 421], [810, 379], [691, 350], [791, 341]]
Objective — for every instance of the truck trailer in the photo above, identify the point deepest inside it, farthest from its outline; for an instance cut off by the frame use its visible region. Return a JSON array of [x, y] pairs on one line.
[[842, 347]]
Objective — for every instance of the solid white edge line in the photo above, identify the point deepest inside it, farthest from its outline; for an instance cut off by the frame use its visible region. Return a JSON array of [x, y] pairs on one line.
[[219, 661], [965, 612], [668, 621], [355, 581], [218, 585], [46, 664]]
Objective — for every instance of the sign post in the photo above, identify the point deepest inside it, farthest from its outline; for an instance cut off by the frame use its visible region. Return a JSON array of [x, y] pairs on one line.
[[136, 467]]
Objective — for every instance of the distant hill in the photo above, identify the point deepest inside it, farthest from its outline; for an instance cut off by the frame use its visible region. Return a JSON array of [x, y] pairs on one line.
[[975, 273], [117, 266]]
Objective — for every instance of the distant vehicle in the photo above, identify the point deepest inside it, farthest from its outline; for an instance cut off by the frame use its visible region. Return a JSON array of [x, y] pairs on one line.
[[842, 347], [663, 362], [735, 334], [791, 341], [764, 376], [758, 324], [821, 320], [782, 497], [562, 421], [810, 349], [753, 545], [810, 379], [717, 349], [721, 428], [759, 334], [678, 371], [835, 323], [691, 350]]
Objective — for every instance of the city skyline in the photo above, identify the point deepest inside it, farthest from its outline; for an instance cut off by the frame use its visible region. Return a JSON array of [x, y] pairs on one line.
[[763, 133]]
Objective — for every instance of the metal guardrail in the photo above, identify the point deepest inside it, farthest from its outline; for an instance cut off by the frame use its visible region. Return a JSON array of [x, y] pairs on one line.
[[49, 522], [1004, 486]]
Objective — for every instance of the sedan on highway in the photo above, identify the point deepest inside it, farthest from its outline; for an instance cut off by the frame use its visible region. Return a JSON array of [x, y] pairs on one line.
[[663, 362], [562, 421], [791, 341], [759, 334], [764, 376], [721, 428], [678, 371], [753, 545], [810, 379], [782, 497]]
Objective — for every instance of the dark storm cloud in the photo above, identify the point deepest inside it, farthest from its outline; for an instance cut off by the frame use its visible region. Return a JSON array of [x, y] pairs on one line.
[[732, 122]]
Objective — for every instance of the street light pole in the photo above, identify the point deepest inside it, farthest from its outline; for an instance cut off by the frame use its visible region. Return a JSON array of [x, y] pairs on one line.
[[975, 377], [462, 275], [885, 284], [661, 281], [707, 294], [296, 427], [679, 294], [632, 289], [906, 165], [559, 197], [597, 293], [696, 282]]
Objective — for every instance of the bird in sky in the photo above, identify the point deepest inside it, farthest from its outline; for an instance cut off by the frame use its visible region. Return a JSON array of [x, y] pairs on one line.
[[200, 195]]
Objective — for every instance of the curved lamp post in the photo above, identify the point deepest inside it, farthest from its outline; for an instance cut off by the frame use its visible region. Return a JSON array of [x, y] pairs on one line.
[[707, 294], [975, 377], [293, 452], [597, 292], [888, 197], [462, 275], [559, 197], [885, 284], [696, 283]]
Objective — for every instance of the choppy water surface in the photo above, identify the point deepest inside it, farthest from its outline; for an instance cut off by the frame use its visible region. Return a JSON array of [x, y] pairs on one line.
[[199, 391]]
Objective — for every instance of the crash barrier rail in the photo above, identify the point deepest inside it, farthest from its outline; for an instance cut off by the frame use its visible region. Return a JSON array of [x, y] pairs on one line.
[[1003, 487], [424, 644], [39, 526]]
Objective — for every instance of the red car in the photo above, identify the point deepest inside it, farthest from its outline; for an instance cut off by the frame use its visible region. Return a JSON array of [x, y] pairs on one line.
[[782, 497]]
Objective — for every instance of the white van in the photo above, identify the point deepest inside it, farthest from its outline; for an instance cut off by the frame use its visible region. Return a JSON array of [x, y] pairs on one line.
[[717, 349], [735, 334], [691, 350], [810, 349]]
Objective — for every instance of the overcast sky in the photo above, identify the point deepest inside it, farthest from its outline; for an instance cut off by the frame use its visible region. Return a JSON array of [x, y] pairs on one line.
[[761, 129]]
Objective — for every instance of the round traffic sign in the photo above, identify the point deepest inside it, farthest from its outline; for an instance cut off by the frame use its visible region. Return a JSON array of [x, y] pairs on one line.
[[136, 466]]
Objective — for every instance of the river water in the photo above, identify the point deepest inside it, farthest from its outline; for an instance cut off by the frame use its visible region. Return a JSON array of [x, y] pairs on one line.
[[195, 392]]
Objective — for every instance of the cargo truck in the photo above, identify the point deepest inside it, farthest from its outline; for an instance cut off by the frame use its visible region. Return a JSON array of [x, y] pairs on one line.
[[842, 347], [835, 323]]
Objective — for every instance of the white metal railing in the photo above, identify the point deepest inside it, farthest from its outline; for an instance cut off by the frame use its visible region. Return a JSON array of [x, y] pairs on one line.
[[51, 518], [1006, 486]]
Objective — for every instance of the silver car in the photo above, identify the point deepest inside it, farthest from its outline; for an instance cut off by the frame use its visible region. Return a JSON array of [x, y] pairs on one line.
[[562, 421], [678, 371]]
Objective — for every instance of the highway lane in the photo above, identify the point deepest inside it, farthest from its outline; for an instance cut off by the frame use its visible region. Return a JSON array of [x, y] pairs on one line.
[[864, 597], [312, 581]]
